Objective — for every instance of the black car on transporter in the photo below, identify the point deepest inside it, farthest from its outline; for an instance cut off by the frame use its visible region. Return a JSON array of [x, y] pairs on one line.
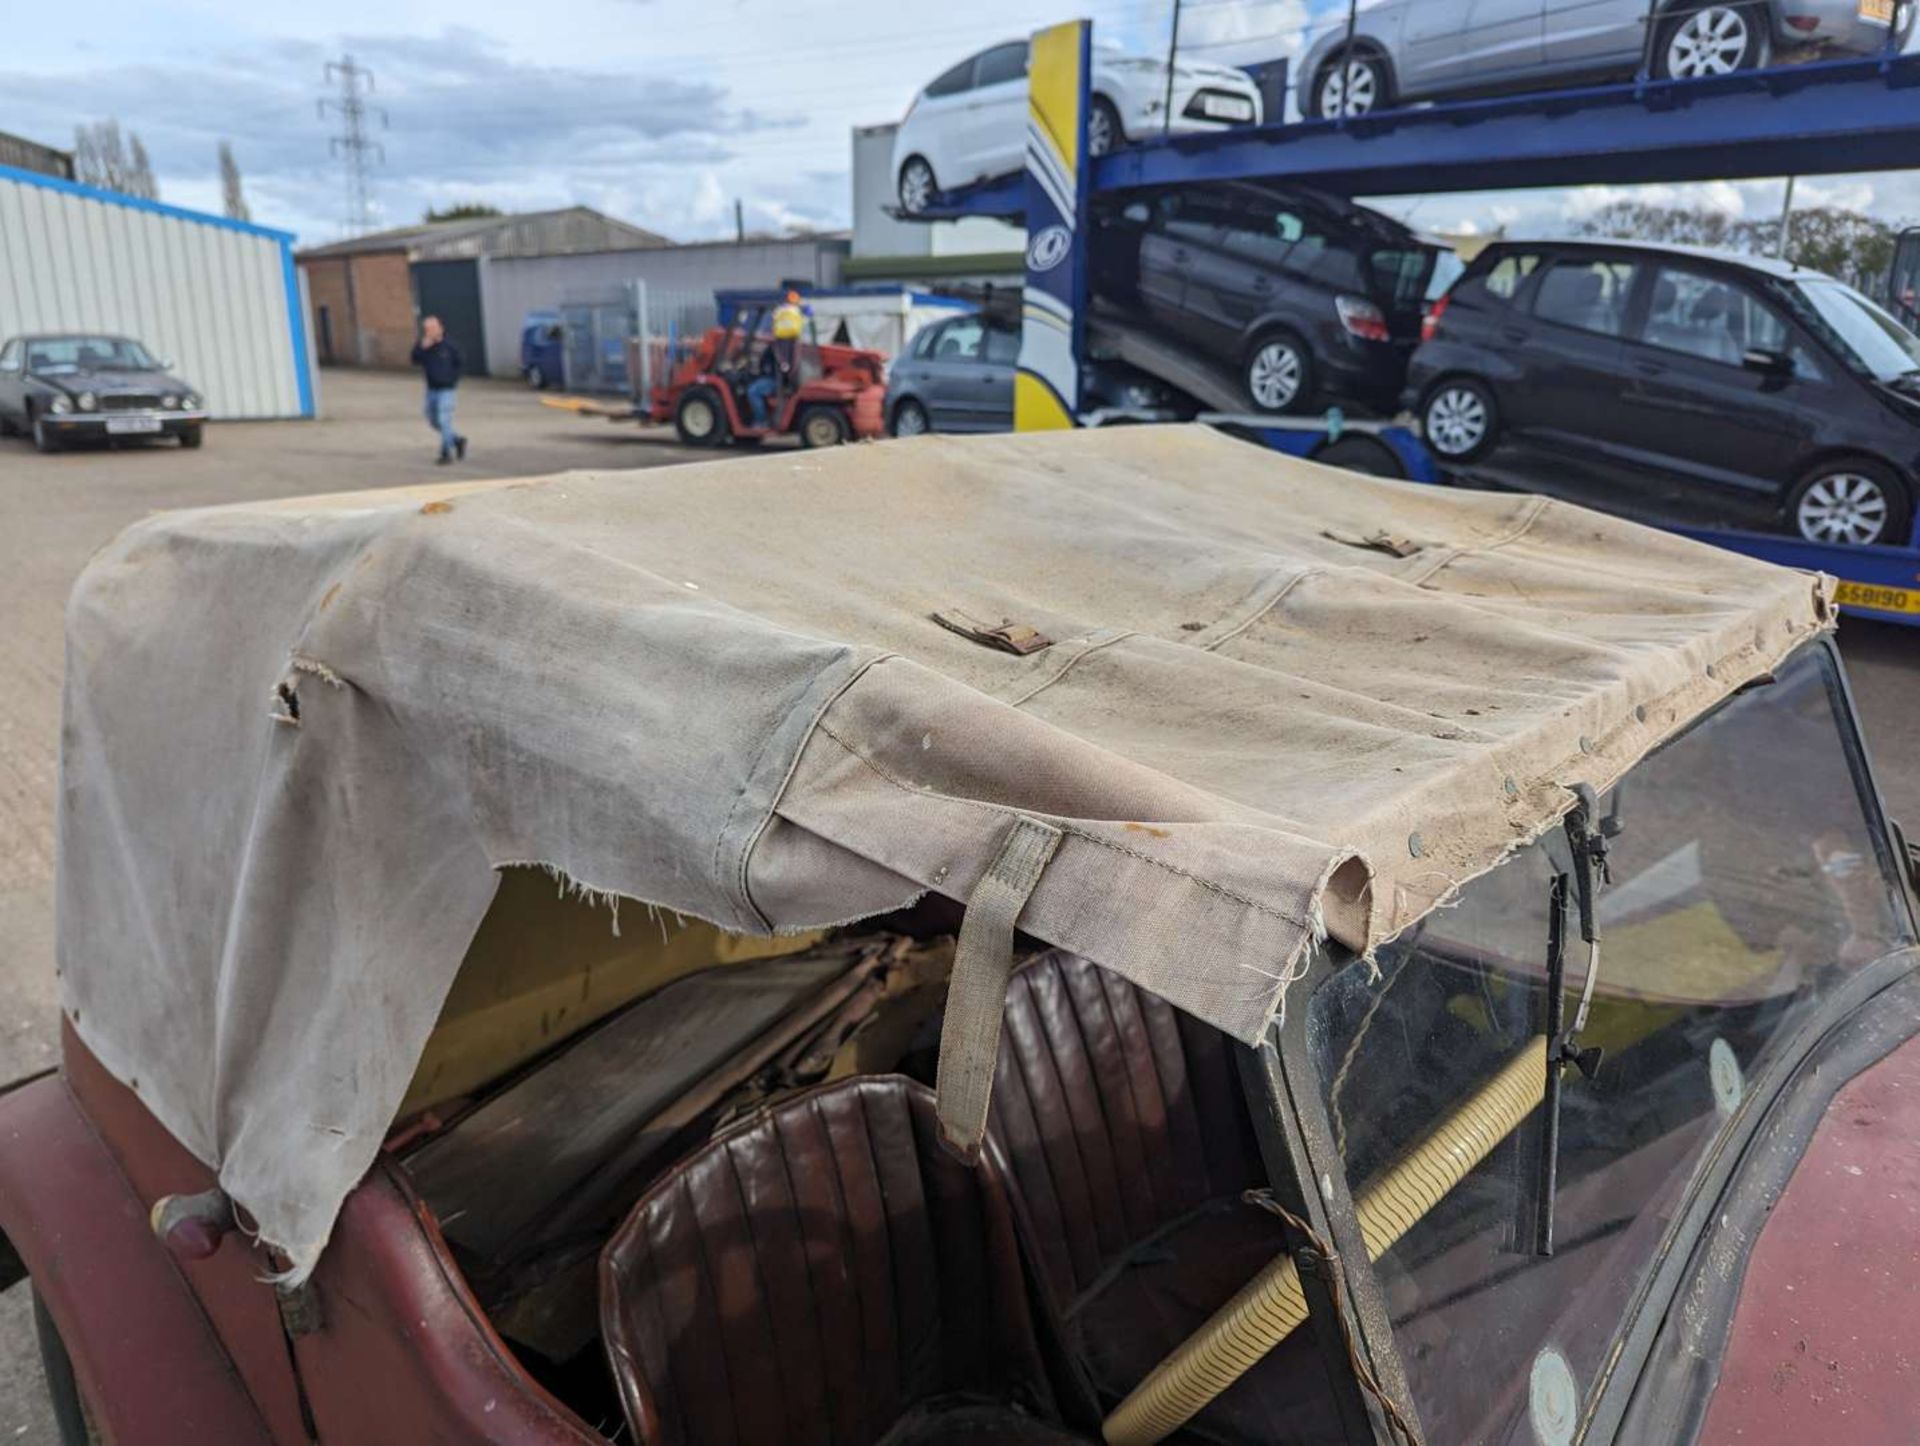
[[1305, 297], [1681, 381], [72, 387]]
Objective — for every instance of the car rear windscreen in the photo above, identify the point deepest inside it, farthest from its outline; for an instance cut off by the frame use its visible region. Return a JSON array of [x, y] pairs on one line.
[[1400, 275]]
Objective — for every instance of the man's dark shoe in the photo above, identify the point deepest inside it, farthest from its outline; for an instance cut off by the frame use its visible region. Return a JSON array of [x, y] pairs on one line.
[[460, 448], [442, 459]]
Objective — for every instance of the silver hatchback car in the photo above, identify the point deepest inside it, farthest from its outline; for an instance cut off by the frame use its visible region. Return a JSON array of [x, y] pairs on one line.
[[1404, 50]]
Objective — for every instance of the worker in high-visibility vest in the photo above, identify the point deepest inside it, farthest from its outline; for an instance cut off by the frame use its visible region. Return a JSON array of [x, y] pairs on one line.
[[780, 362]]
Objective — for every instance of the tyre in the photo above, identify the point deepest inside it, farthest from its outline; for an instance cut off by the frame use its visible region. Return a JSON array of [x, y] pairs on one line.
[[910, 419], [70, 1416], [1104, 131], [193, 437], [1459, 420], [823, 427], [44, 437], [917, 188], [699, 419], [1278, 373], [1360, 453], [1355, 83], [1852, 501], [536, 378], [1712, 40]]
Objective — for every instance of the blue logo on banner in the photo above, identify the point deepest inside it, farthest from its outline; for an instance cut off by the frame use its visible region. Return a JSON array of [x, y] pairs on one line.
[[1049, 248]]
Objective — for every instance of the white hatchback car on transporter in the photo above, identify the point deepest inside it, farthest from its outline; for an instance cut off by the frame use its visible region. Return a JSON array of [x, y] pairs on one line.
[[971, 123]]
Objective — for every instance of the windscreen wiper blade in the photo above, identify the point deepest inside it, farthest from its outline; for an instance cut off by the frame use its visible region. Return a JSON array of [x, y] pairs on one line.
[[1587, 836]]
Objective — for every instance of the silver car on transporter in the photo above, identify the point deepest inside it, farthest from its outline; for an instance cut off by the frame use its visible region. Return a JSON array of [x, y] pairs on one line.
[[1405, 50]]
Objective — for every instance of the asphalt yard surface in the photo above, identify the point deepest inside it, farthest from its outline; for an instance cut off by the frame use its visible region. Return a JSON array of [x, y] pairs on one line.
[[56, 510]]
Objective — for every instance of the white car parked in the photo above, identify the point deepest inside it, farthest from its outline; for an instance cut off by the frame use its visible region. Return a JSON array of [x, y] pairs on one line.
[[971, 123]]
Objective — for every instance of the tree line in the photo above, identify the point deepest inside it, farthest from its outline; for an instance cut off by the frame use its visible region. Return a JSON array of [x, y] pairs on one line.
[[1850, 245], [113, 160]]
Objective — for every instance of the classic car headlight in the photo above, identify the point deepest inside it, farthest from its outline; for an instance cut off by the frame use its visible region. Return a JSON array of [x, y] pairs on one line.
[[59, 405], [171, 399], [191, 401], [88, 401]]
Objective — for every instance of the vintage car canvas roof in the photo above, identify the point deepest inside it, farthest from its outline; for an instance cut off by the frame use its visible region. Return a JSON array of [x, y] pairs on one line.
[[1273, 700]]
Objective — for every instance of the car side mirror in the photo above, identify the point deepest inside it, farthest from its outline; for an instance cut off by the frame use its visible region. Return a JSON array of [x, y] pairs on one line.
[[1768, 363]]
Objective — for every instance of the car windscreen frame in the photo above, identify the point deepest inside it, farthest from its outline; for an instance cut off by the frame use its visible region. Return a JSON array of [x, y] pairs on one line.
[[1285, 1094]]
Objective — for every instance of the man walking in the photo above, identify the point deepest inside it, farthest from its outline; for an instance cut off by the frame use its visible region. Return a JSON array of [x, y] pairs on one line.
[[440, 360]]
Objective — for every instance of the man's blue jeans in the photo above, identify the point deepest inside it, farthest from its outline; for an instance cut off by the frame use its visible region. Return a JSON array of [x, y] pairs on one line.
[[758, 390], [440, 417]]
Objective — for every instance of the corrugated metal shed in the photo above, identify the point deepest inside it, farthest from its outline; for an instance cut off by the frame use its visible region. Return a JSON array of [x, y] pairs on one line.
[[523, 233], [219, 297], [510, 287]]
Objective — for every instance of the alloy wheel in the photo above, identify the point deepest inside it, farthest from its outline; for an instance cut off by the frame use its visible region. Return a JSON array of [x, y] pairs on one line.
[[1843, 507], [1099, 130], [1456, 421], [916, 186], [1274, 376], [910, 420], [1709, 42], [1349, 89]]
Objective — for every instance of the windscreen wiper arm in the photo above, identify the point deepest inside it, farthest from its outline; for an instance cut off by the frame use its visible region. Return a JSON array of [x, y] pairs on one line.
[[1587, 836]]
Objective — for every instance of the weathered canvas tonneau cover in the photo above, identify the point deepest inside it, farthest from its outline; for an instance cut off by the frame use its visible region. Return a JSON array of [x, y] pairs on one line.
[[1272, 699]]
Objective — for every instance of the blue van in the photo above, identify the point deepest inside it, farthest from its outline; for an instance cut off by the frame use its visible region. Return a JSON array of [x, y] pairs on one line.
[[541, 346]]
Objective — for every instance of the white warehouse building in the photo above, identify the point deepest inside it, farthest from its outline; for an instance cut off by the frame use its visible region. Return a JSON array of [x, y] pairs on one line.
[[220, 299]]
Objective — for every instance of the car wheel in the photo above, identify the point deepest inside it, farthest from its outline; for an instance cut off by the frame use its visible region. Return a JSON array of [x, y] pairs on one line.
[[699, 420], [1361, 453], [910, 419], [1104, 131], [70, 1416], [1855, 502], [917, 188], [536, 378], [192, 437], [44, 437], [1712, 40], [823, 427], [1352, 84], [1279, 373], [1459, 420]]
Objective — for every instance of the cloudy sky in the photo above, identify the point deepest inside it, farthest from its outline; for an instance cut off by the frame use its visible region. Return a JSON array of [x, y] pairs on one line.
[[660, 111]]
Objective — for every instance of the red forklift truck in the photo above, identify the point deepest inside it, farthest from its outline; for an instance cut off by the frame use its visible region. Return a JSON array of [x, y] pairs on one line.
[[838, 393]]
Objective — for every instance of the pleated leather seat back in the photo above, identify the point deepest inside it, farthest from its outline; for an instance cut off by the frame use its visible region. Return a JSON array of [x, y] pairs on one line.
[[1119, 1115], [813, 1275]]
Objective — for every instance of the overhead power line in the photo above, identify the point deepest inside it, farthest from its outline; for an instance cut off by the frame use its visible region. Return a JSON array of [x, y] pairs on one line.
[[352, 145]]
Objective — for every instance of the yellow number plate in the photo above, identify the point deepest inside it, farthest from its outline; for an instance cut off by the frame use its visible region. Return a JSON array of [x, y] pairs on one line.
[[1878, 11], [1881, 599]]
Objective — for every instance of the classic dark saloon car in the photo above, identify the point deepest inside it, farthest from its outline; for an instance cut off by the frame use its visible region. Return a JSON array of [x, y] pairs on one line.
[[1121, 936], [61, 389]]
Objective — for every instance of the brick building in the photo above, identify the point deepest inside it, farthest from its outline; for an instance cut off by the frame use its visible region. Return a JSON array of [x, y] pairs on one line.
[[367, 293]]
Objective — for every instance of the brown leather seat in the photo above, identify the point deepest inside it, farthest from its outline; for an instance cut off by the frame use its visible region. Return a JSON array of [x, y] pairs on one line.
[[1129, 1145], [825, 1272]]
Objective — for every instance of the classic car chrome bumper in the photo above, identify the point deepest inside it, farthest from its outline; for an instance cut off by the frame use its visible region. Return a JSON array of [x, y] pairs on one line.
[[144, 422]]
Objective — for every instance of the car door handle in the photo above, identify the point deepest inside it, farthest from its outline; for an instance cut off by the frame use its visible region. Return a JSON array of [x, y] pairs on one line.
[[1263, 283], [1180, 253], [1650, 368], [1513, 333]]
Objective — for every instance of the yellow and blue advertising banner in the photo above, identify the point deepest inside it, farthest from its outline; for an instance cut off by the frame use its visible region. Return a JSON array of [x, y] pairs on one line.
[[1046, 389]]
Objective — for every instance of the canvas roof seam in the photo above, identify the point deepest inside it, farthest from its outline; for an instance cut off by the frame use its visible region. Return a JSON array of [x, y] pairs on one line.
[[1092, 643], [742, 880], [1515, 530], [1069, 828], [1240, 628]]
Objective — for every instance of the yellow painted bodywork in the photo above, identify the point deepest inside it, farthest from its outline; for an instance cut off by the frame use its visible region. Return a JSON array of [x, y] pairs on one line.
[[1035, 407], [545, 964], [1053, 89]]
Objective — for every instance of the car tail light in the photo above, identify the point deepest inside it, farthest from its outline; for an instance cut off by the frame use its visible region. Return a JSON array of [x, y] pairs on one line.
[[1430, 323], [1362, 318]]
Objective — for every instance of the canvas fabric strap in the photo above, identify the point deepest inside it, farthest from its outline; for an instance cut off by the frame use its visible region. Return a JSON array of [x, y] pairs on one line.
[[977, 994]]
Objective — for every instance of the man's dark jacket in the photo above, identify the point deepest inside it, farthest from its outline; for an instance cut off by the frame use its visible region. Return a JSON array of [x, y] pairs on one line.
[[441, 362]]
